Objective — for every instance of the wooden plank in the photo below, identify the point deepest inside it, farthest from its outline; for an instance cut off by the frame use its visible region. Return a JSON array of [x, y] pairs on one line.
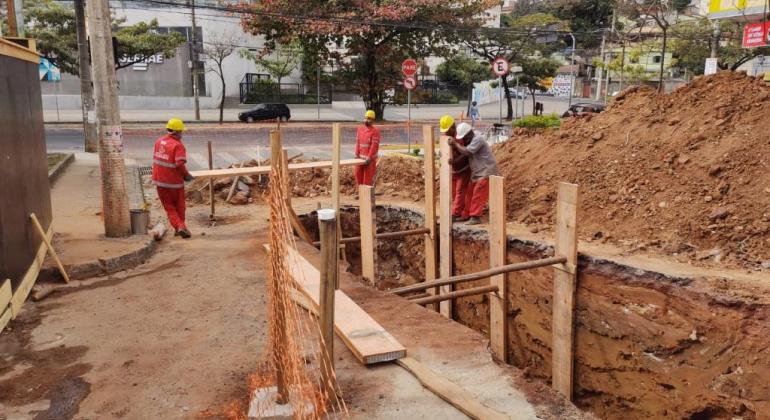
[[368, 246], [364, 336], [445, 215], [6, 293], [21, 292], [450, 391], [5, 318], [498, 301], [565, 282], [336, 154], [51, 251], [212, 200], [431, 260], [265, 170]]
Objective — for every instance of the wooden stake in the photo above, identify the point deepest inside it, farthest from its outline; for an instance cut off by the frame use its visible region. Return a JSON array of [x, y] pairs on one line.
[[327, 225], [429, 155], [287, 176], [565, 282], [498, 301], [211, 183], [336, 153], [48, 245], [279, 157], [445, 215], [366, 219]]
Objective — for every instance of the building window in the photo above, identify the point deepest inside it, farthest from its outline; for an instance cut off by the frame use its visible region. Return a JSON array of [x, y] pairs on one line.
[[656, 59]]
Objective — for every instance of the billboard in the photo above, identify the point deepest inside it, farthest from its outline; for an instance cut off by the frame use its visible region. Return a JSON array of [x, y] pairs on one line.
[[735, 8], [756, 34]]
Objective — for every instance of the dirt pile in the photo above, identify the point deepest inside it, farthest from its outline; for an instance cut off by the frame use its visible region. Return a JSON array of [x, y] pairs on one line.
[[397, 176]]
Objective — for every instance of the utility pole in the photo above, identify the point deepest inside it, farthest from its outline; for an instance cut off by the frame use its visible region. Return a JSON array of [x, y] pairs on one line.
[[715, 39], [86, 85], [194, 61], [600, 70], [114, 197]]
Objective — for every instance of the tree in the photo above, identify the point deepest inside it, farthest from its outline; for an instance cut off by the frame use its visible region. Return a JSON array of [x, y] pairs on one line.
[[285, 59], [53, 26], [215, 51], [692, 45], [517, 42], [463, 71], [367, 39], [534, 70]]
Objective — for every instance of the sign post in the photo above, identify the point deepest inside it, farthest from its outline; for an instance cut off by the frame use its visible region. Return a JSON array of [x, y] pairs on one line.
[[409, 69], [516, 70], [500, 67]]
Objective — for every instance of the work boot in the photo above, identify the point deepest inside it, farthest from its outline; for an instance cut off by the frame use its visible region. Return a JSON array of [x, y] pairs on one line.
[[459, 219], [184, 233], [474, 221]]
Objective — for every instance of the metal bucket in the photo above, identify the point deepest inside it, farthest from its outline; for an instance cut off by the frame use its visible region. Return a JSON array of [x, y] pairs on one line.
[[140, 219]]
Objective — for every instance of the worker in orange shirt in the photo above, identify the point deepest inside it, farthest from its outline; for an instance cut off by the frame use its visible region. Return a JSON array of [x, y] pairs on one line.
[[367, 145], [169, 173], [461, 174]]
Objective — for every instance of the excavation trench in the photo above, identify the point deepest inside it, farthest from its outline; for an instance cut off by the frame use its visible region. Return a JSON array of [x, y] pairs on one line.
[[647, 345]]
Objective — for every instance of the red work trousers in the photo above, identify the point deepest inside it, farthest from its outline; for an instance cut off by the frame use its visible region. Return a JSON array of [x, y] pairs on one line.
[[365, 173], [480, 196], [174, 204], [461, 193]]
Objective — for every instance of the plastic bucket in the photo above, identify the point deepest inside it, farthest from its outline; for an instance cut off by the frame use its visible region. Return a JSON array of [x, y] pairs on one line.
[[140, 219]]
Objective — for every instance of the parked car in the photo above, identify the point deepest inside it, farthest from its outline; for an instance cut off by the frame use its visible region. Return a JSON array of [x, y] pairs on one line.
[[266, 112], [583, 108]]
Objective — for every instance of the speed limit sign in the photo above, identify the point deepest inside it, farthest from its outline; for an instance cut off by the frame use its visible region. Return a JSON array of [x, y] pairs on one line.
[[500, 66]]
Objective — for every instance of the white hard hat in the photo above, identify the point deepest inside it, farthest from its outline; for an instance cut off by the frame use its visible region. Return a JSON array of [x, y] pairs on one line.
[[462, 130]]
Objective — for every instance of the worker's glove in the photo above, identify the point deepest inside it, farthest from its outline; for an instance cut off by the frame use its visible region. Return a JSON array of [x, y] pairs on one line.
[[451, 141], [366, 161], [188, 177]]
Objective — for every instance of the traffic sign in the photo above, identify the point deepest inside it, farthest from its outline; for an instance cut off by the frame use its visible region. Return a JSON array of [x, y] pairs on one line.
[[409, 67], [410, 83], [516, 69], [500, 66]]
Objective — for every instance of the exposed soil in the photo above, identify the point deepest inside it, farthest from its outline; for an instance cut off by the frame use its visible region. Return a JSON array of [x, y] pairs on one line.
[[648, 345]]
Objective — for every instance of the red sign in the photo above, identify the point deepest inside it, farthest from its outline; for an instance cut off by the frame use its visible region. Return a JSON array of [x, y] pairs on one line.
[[500, 66], [409, 67], [410, 83], [756, 34]]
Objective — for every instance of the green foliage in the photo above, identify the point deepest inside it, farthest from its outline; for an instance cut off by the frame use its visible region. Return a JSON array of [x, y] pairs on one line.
[[536, 69], [582, 15], [538, 121], [416, 152], [283, 63], [53, 26], [463, 71]]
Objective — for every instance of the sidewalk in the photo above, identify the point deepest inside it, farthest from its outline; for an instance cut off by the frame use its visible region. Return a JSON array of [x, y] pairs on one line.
[[79, 228]]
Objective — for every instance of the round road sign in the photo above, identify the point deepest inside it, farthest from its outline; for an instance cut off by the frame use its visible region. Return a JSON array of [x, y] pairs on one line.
[[409, 67], [500, 66], [410, 83]]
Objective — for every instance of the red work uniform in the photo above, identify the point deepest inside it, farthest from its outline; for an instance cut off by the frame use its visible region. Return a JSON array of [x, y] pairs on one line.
[[168, 173], [461, 181], [367, 145]]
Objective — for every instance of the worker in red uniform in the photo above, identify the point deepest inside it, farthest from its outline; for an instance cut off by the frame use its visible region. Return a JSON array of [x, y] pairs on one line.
[[461, 174], [483, 165], [169, 173], [367, 145]]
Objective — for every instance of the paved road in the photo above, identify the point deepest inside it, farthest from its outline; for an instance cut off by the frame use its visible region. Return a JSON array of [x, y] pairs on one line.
[[235, 143]]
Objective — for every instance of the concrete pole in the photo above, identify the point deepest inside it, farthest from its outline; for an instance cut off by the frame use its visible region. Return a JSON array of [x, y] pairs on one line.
[[117, 222], [88, 105], [600, 70], [572, 71], [194, 61], [715, 39], [327, 225]]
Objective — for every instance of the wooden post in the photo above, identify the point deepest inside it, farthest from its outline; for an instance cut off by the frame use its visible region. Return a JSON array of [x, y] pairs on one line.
[[327, 226], [564, 286], [280, 344], [498, 301], [366, 219], [287, 175], [211, 183], [336, 153], [48, 245], [429, 157], [280, 157], [445, 215]]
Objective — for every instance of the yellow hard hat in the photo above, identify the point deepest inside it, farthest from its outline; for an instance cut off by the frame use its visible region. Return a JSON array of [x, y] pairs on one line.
[[370, 114], [445, 123], [175, 124]]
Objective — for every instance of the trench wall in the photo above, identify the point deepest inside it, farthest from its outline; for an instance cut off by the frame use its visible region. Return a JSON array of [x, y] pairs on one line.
[[647, 345]]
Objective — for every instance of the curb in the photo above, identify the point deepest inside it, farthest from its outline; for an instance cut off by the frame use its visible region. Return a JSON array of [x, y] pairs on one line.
[[105, 266], [58, 169]]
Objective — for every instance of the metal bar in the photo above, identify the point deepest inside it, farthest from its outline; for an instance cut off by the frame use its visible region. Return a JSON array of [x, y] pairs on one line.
[[386, 235], [481, 274], [454, 295], [418, 296]]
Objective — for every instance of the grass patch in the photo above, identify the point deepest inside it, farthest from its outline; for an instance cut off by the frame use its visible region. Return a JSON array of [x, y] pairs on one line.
[[538, 121]]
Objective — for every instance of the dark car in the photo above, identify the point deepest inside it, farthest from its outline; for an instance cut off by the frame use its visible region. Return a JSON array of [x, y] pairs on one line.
[[583, 108], [266, 112]]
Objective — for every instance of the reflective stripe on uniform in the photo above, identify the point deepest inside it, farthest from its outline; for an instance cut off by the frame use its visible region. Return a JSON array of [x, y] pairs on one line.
[[165, 185], [163, 164], [182, 158]]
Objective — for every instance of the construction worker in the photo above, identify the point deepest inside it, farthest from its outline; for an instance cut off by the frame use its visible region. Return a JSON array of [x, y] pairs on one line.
[[169, 173], [367, 145], [483, 165], [461, 174]]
